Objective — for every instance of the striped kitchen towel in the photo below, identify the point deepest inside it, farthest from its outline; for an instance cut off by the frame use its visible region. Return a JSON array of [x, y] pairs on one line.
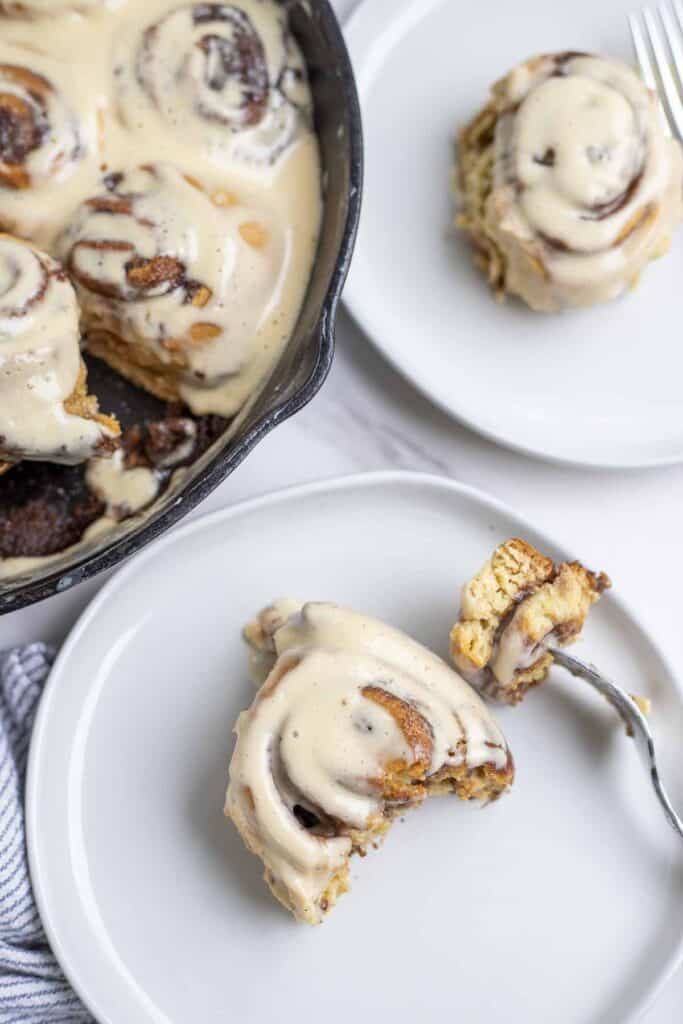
[[32, 986]]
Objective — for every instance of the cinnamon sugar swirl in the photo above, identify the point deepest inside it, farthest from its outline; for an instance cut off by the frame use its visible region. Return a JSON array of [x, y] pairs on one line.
[[45, 410], [226, 78], [354, 724], [39, 138], [172, 286], [517, 605], [568, 182]]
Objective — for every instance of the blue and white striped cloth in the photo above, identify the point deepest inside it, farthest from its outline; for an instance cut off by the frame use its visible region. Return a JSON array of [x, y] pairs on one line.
[[32, 986]]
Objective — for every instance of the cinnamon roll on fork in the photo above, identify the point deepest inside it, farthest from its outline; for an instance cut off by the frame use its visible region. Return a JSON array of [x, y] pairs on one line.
[[354, 724], [516, 605], [568, 184]]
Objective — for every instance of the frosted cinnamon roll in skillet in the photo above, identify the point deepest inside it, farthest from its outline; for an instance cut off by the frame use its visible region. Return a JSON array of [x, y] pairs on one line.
[[568, 183], [354, 724], [228, 79], [46, 412], [48, 137], [519, 603], [176, 283], [40, 136]]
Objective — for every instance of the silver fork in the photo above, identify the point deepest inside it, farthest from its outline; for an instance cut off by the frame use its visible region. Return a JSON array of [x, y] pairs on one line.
[[658, 43], [634, 720]]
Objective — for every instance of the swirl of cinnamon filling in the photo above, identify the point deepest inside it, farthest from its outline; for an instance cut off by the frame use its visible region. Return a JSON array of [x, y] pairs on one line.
[[354, 723], [585, 187], [39, 136], [174, 284], [45, 411], [228, 78]]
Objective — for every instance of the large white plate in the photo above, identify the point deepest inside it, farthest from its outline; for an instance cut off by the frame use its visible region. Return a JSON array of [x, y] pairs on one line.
[[597, 387], [562, 903]]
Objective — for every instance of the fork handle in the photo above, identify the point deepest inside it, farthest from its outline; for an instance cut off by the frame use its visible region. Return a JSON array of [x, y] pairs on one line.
[[636, 724]]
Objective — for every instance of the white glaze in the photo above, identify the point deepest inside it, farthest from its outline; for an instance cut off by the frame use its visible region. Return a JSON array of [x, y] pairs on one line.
[[514, 652], [265, 175], [313, 738], [124, 491], [585, 179], [39, 360]]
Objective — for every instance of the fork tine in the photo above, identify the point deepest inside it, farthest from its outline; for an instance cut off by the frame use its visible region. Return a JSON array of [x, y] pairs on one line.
[[678, 8], [647, 70], [674, 37], [673, 99], [642, 54]]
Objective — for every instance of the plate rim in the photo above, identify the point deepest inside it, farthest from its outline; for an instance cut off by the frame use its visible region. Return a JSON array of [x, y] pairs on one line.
[[367, 23], [346, 482]]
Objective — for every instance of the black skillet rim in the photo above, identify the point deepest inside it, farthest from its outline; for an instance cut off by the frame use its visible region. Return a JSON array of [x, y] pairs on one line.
[[225, 462]]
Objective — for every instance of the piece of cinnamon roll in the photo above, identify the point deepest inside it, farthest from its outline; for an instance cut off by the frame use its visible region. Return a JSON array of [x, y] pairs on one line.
[[175, 285], [516, 606], [354, 724], [568, 182], [39, 137], [228, 79], [46, 412]]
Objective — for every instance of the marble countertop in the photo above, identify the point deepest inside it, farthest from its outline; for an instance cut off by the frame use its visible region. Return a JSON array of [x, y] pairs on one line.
[[367, 417]]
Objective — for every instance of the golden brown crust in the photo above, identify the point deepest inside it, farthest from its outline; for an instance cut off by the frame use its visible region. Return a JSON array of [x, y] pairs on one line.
[[474, 184], [520, 596], [80, 403], [514, 568], [137, 364]]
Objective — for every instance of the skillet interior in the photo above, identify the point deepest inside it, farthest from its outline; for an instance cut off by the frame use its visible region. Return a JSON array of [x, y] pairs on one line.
[[298, 374]]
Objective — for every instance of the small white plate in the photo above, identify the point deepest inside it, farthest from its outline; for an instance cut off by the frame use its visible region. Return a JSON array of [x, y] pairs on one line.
[[598, 387], [562, 902]]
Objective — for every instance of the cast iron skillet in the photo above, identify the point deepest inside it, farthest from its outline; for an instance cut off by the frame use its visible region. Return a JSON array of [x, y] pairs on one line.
[[306, 361]]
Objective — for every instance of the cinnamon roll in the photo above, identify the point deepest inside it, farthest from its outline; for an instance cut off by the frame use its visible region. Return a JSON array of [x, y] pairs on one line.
[[568, 182], [39, 137], [45, 410], [176, 285], [516, 606], [354, 724], [226, 78]]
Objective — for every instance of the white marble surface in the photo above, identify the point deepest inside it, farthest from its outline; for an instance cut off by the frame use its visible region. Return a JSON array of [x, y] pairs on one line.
[[368, 418]]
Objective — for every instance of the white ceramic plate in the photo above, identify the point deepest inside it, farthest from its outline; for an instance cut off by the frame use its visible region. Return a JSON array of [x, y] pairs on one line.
[[562, 903], [599, 387]]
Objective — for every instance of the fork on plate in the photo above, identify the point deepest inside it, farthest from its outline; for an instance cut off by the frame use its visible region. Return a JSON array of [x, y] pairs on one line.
[[634, 720], [658, 44]]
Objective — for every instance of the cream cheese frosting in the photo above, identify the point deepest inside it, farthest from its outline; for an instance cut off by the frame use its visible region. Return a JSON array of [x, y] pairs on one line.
[[586, 186], [200, 115], [40, 361], [346, 701]]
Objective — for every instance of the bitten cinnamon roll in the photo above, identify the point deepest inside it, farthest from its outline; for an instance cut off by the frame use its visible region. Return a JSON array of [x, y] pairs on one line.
[[354, 724], [39, 138], [568, 183], [176, 285], [227, 79], [518, 605], [45, 410]]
